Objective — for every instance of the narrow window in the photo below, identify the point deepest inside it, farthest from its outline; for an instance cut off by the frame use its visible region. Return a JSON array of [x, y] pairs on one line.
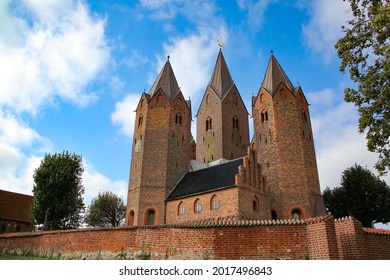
[[207, 98], [178, 119], [131, 218], [296, 214], [159, 98], [235, 122], [140, 120], [274, 216], [261, 97], [197, 206], [214, 203], [181, 209], [255, 204], [235, 98], [266, 116], [151, 217], [18, 228], [209, 124]]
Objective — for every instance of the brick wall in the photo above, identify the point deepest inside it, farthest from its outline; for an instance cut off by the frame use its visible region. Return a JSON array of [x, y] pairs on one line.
[[377, 243], [319, 238]]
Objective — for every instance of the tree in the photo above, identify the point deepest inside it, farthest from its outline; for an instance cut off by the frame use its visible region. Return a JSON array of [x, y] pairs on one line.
[[365, 51], [361, 195], [107, 209], [58, 190]]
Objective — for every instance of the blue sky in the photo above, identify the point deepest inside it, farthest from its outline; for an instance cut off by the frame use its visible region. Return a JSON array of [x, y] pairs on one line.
[[72, 73]]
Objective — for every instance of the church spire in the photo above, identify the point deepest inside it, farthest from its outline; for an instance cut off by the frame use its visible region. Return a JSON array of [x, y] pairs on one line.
[[274, 76], [166, 80], [221, 80]]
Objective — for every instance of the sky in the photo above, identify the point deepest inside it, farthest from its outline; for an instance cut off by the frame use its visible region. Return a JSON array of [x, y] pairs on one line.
[[72, 73]]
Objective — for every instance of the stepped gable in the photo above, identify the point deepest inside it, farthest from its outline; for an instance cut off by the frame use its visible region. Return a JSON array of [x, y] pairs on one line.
[[221, 80], [274, 76], [206, 180], [166, 80]]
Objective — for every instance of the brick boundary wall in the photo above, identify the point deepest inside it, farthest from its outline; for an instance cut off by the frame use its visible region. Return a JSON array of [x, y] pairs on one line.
[[318, 238], [377, 243]]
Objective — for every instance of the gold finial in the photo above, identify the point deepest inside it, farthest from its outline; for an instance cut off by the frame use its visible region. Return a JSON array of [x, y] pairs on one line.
[[220, 43]]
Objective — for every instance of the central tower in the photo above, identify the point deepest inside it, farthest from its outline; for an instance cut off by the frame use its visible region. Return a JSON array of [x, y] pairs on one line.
[[222, 120]]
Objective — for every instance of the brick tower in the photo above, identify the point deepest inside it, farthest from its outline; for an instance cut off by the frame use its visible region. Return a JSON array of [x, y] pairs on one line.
[[222, 118], [160, 153], [284, 143]]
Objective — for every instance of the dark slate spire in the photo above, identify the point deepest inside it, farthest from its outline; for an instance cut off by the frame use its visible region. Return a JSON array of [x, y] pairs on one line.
[[166, 80], [274, 76], [221, 81]]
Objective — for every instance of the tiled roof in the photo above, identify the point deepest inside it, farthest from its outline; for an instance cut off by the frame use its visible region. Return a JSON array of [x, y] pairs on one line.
[[166, 80], [274, 76], [208, 179], [221, 80], [232, 221]]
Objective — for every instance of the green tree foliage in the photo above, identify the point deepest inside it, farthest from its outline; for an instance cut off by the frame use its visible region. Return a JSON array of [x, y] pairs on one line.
[[361, 195], [58, 190], [106, 210], [365, 51]]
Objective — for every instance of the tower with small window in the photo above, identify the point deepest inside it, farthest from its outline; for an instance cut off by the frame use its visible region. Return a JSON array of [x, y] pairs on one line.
[[222, 118], [161, 149], [284, 144]]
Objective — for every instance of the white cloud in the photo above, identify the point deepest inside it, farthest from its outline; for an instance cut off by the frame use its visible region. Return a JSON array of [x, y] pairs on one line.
[[193, 10], [324, 27], [338, 143], [49, 49], [17, 163], [124, 115], [94, 182], [256, 10]]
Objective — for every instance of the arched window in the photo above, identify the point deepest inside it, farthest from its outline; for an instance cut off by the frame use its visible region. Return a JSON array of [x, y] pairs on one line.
[[235, 98], [296, 214], [159, 98], [214, 203], [235, 122], [264, 116], [209, 124], [207, 98], [255, 204], [18, 228], [181, 209], [150, 217], [197, 206], [178, 119], [130, 221], [140, 120], [274, 216], [261, 97]]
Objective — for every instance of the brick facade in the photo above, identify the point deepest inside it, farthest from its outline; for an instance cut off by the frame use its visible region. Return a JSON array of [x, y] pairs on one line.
[[319, 238], [284, 143], [15, 212], [160, 154]]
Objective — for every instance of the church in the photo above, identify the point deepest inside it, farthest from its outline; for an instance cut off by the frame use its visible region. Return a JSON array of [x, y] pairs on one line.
[[223, 174]]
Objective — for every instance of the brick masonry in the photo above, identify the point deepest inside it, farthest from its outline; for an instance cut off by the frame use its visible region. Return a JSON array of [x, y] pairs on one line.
[[317, 238]]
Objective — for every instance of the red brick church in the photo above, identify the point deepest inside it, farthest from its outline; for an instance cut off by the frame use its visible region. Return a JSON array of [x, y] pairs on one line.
[[223, 174]]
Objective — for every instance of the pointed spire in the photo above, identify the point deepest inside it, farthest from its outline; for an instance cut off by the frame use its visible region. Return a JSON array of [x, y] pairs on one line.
[[221, 81], [274, 76], [166, 80]]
